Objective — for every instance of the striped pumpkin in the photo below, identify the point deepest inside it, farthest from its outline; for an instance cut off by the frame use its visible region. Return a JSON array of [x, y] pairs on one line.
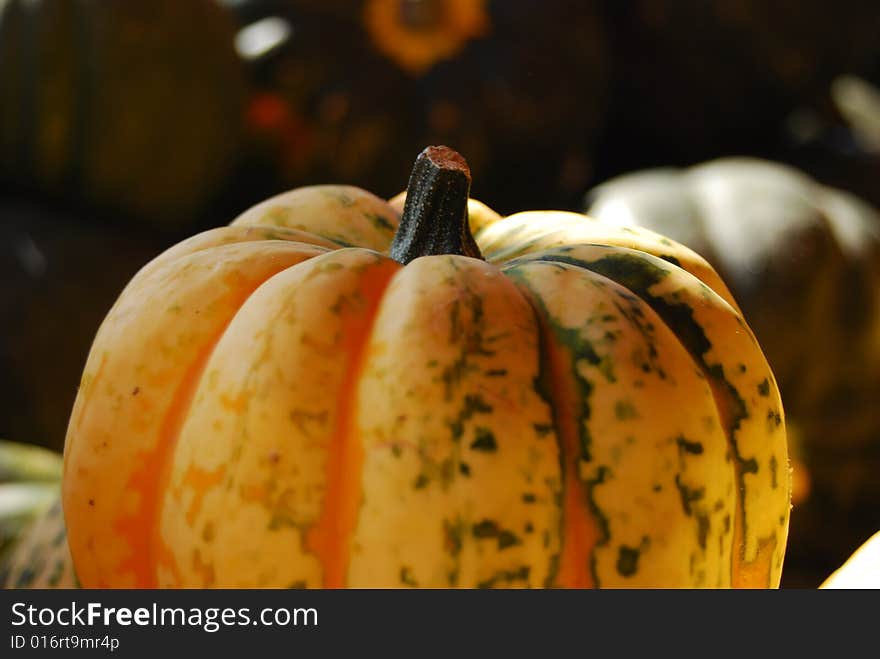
[[40, 556], [329, 393], [33, 541]]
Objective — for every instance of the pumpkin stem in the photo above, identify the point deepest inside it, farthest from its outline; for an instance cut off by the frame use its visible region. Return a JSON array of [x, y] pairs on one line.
[[435, 213]]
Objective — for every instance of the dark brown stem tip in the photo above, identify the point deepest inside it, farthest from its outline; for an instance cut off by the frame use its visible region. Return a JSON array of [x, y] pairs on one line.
[[435, 213], [443, 157]]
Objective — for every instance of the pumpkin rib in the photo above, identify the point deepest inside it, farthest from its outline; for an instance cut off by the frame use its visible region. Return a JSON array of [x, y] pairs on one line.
[[152, 474], [597, 368], [240, 234], [461, 477], [101, 505], [260, 459], [219, 236], [345, 214], [536, 231], [155, 468], [759, 549], [331, 536], [578, 533]]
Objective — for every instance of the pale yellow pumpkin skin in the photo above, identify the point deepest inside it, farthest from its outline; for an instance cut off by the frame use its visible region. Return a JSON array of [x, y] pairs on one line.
[[266, 406]]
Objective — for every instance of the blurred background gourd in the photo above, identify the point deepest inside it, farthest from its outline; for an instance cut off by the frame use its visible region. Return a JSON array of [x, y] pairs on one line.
[[126, 125], [131, 105]]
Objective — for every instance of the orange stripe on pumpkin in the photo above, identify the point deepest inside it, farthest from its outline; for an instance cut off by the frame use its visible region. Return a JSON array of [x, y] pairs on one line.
[[757, 573], [581, 530], [330, 537], [200, 482], [149, 481]]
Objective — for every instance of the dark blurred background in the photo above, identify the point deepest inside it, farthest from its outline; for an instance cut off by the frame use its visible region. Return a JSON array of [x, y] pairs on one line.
[[127, 125]]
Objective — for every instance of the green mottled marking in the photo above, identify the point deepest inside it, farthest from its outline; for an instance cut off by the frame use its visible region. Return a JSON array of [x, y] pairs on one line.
[[628, 560], [473, 404], [447, 470], [60, 537], [774, 465], [686, 446], [579, 349], [485, 441], [303, 418], [750, 466], [703, 526], [542, 429], [380, 222], [26, 577], [453, 533], [342, 198], [602, 474], [507, 539], [420, 482], [283, 517], [688, 495], [474, 344], [57, 573], [489, 529], [624, 410], [406, 576], [464, 469], [528, 497], [506, 576], [485, 529], [640, 272]]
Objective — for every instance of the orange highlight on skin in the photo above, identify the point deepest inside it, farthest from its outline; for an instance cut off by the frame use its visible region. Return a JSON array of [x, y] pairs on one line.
[[756, 574], [329, 539], [200, 482]]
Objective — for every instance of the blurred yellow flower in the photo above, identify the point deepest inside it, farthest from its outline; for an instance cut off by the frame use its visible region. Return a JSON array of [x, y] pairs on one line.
[[418, 33]]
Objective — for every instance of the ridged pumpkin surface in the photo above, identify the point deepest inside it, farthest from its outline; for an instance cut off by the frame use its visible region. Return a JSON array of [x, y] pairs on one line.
[[268, 406]]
